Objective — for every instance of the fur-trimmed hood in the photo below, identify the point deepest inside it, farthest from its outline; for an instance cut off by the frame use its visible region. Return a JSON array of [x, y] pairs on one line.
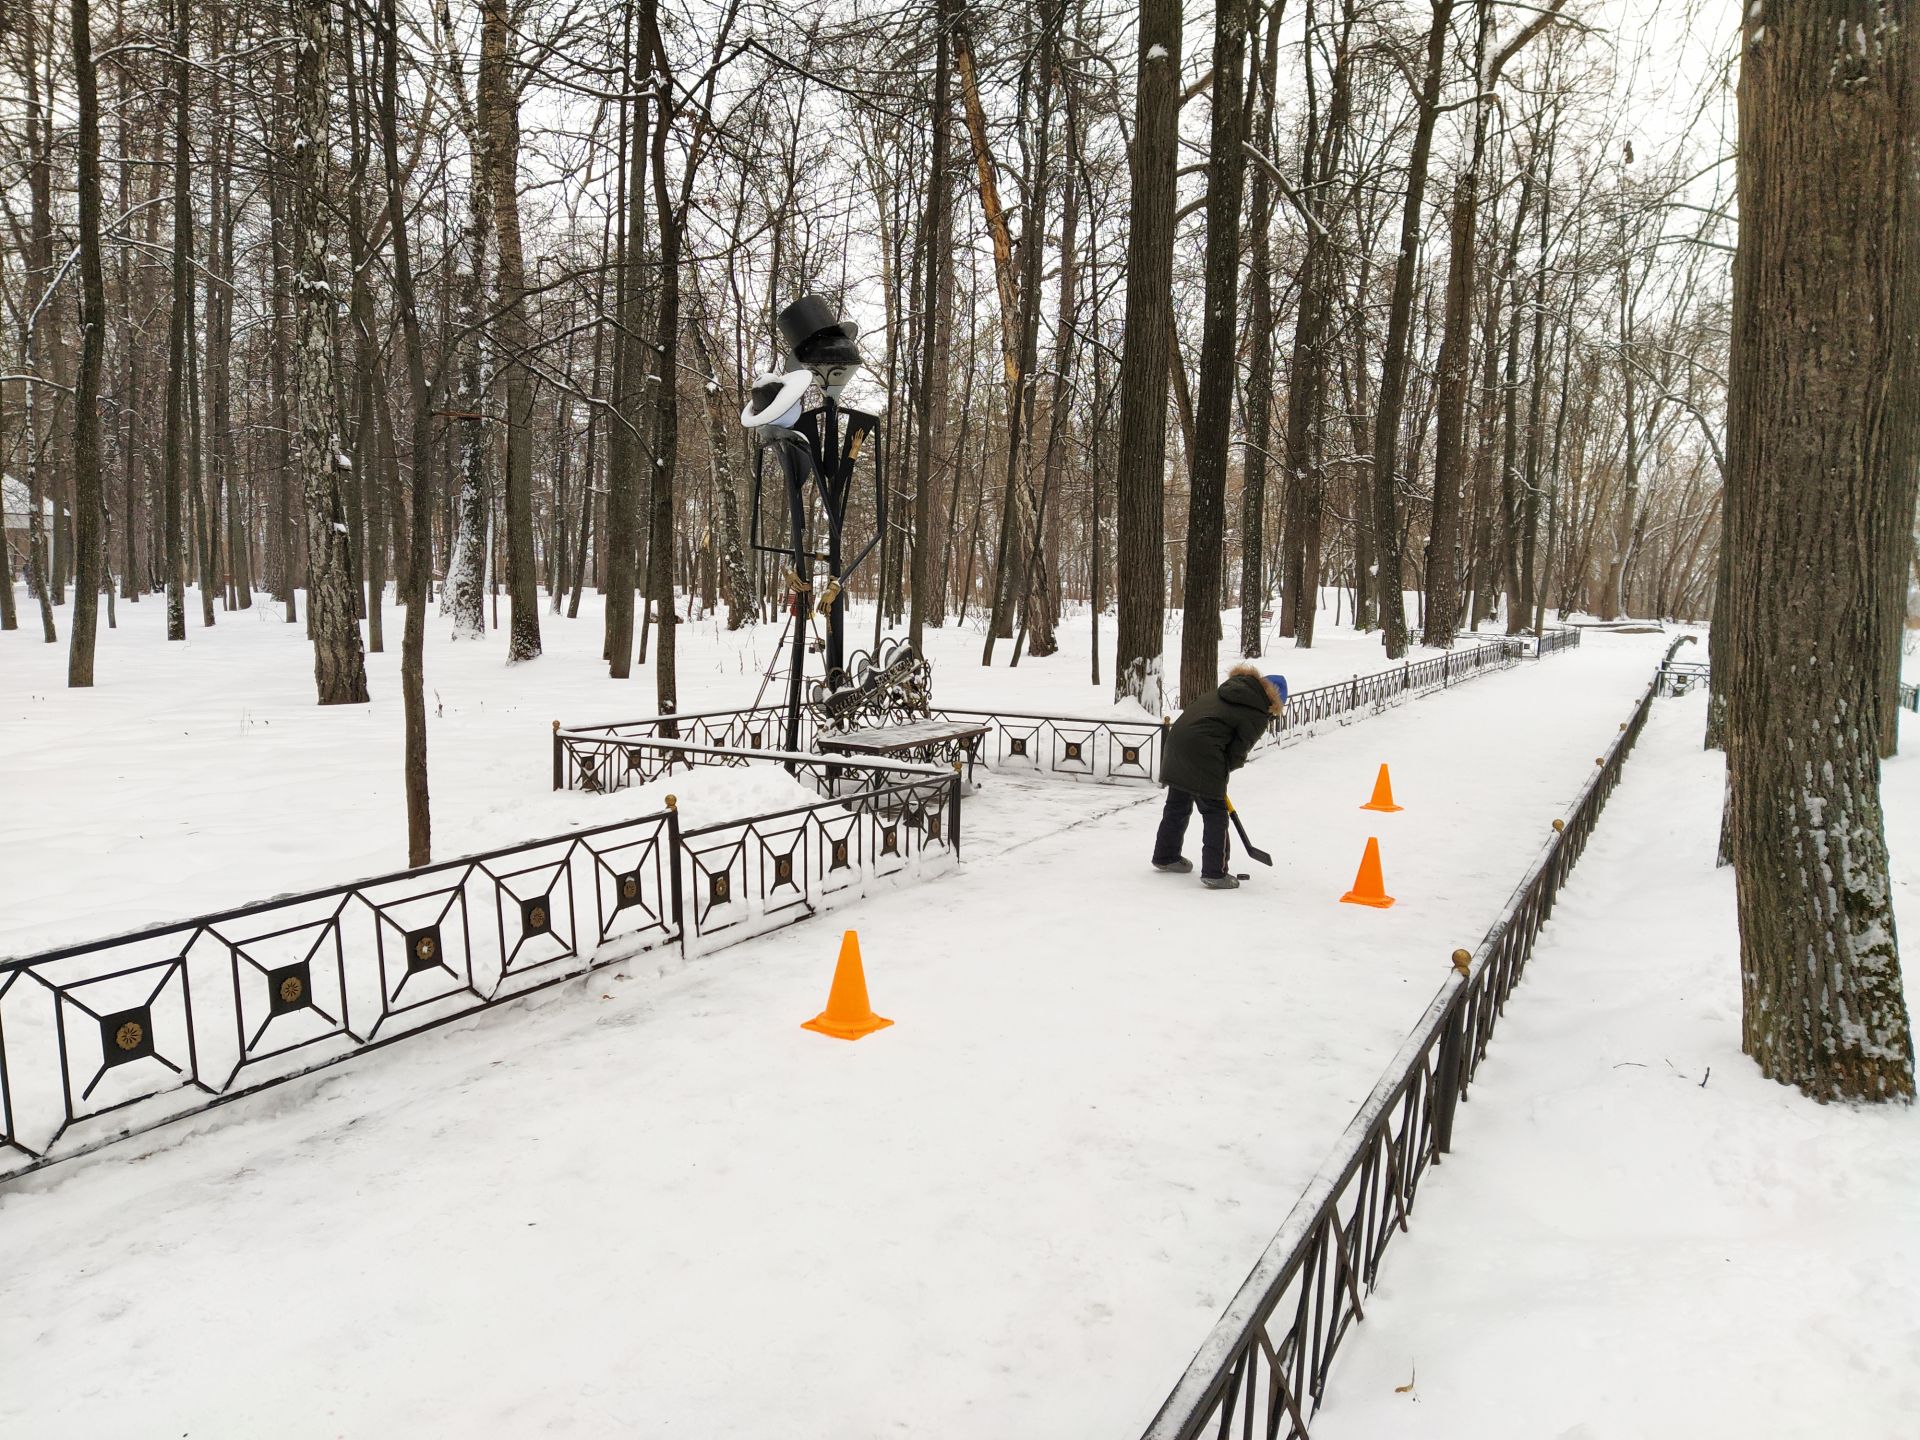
[[1276, 702]]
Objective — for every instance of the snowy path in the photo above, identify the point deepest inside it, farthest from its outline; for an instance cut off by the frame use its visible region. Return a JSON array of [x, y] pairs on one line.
[[201, 776], [653, 1204], [1637, 1235]]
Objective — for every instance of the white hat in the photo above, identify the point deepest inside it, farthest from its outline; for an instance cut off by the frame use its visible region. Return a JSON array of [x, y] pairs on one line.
[[776, 399]]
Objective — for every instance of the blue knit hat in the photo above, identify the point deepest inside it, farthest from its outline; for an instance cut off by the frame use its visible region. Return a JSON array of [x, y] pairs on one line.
[[1279, 682]]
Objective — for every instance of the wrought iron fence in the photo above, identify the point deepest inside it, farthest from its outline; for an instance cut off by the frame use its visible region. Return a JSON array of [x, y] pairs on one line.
[[115, 1036], [1910, 697], [1109, 749], [755, 728], [1263, 1369], [111, 1038], [742, 877], [1554, 639], [1383, 687]]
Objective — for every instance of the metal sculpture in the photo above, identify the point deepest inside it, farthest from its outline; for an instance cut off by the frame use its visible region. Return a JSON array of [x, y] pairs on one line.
[[818, 448]]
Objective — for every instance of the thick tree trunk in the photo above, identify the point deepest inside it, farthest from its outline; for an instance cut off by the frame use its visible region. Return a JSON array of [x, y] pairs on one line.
[[1140, 468], [1822, 442], [1219, 358], [339, 668]]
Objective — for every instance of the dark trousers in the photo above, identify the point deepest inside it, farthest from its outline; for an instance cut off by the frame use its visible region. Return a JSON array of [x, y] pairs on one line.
[[1173, 830]]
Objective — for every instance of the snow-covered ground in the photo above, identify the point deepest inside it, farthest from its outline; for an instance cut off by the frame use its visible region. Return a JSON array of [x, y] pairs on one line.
[[1637, 1237], [648, 1202], [200, 775]]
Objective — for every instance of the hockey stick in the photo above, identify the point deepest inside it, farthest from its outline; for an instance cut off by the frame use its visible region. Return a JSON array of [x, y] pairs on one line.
[[1247, 845]]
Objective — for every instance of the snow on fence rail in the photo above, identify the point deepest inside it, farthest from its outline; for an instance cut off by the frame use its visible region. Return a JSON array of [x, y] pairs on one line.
[[111, 1038], [1263, 1369], [1110, 748]]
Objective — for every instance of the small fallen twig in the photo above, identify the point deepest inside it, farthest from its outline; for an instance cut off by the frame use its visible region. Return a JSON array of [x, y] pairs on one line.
[[1407, 1389]]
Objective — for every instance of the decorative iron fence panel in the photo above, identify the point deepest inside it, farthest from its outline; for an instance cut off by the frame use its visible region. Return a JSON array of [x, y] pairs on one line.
[[1263, 1370], [118, 1035], [743, 877], [111, 1038], [1101, 749], [602, 762]]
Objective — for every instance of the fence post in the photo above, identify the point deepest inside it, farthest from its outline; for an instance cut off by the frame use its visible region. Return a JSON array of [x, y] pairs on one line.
[[953, 810], [559, 759], [1446, 1078], [673, 868]]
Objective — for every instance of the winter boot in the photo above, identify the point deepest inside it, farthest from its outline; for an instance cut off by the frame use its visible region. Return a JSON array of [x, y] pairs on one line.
[[1219, 882], [1180, 866]]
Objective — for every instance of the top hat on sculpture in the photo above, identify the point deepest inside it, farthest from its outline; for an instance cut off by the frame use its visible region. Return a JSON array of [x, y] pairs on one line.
[[776, 399], [821, 341]]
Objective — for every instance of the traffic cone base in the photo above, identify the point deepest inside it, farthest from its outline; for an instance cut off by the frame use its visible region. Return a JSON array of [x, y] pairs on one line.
[[1383, 795], [1369, 888], [849, 1014]]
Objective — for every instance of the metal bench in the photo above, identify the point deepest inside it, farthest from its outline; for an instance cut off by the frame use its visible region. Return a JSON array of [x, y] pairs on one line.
[[943, 742], [882, 708]]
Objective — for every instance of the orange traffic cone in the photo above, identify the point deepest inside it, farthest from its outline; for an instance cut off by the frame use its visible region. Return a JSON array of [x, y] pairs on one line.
[[848, 1015], [1368, 886], [1382, 794]]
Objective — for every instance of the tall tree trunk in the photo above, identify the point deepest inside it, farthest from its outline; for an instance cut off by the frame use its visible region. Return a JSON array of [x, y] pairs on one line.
[[1394, 361], [1219, 358], [629, 383], [175, 446], [88, 503], [1455, 368], [1019, 296], [368, 453], [413, 642], [1036, 628], [1305, 446], [463, 591], [666, 407], [1822, 443], [1258, 402], [500, 127], [936, 331], [1140, 468]]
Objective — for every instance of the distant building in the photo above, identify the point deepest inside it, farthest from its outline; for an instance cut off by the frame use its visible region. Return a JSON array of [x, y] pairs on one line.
[[15, 509]]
